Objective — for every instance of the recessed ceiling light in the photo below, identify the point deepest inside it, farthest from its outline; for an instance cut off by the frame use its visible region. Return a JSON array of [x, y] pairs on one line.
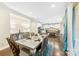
[[52, 5]]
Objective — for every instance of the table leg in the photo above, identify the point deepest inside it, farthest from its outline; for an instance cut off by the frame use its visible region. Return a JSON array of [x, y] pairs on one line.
[[32, 51]]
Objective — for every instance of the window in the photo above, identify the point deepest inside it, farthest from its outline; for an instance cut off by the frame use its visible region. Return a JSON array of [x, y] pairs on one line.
[[18, 22]]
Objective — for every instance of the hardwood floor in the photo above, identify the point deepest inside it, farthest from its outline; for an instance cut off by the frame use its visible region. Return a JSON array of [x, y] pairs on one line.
[[6, 52], [57, 43]]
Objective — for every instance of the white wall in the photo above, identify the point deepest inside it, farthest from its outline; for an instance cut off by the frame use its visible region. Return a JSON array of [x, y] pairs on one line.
[[4, 25]]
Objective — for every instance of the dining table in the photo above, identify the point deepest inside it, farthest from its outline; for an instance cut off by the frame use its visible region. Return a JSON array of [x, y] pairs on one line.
[[30, 44]]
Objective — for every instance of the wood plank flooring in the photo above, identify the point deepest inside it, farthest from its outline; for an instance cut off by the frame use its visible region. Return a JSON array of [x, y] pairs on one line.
[[58, 46]]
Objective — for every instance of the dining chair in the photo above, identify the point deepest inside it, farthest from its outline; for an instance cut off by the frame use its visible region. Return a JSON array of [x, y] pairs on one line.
[[14, 47], [14, 36], [41, 51], [16, 50], [44, 45]]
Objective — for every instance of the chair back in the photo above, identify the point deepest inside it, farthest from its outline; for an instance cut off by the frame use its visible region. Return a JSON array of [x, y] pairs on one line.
[[14, 47], [14, 36], [44, 45]]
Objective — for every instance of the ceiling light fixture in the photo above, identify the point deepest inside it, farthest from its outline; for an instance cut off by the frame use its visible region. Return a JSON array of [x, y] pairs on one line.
[[53, 5]]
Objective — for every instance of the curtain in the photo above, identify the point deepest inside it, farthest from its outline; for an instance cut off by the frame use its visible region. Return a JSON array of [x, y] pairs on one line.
[[73, 31], [65, 32]]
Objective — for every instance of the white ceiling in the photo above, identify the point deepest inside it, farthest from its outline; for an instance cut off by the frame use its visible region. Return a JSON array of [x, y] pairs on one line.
[[42, 11]]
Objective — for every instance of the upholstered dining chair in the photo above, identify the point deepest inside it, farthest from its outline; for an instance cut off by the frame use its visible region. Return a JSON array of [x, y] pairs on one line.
[[14, 47], [14, 36], [16, 50], [44, 45]]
